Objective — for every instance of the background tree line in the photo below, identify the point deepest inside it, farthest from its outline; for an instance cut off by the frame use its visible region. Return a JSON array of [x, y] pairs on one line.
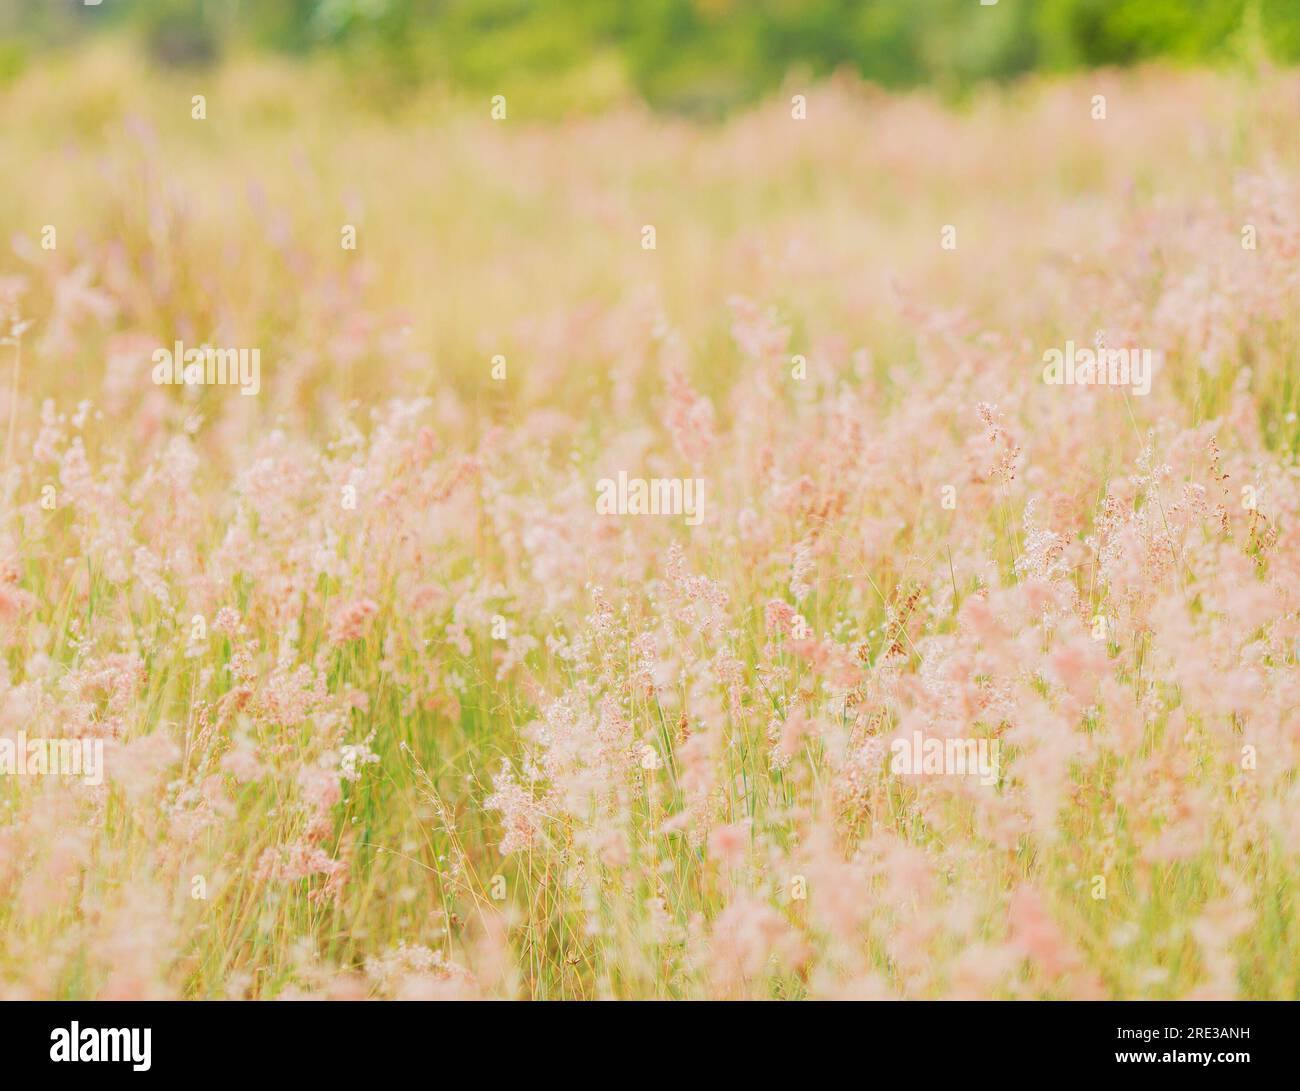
[[691, 55]]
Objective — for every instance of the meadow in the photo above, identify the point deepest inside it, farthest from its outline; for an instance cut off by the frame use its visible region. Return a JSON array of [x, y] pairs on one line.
[[389, 709]]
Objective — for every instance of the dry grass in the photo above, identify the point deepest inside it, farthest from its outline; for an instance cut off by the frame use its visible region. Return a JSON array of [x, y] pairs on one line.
[[670, 758]]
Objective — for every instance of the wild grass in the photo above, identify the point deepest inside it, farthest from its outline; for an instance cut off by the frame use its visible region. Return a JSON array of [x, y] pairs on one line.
[[348, 640]]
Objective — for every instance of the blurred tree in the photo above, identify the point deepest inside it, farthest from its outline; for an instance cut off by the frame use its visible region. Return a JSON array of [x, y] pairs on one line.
[[683, 54]]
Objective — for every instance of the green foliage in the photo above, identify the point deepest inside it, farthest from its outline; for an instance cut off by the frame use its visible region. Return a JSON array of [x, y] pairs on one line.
[[693, 54]]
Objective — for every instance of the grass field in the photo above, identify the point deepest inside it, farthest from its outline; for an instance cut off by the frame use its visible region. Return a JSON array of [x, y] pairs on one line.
[[389, 709]]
